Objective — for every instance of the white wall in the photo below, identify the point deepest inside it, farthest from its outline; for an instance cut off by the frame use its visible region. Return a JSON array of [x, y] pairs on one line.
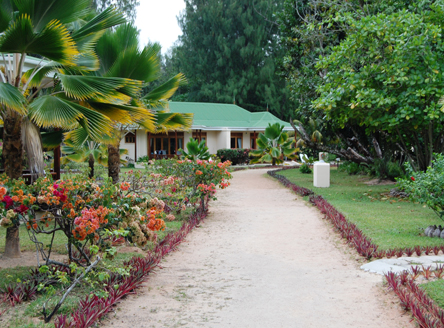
[[212, 141], [142, 143], [128, 146], [223, 139]]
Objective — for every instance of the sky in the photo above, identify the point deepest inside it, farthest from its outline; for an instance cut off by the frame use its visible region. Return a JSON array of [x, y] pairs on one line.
[[156, 20]]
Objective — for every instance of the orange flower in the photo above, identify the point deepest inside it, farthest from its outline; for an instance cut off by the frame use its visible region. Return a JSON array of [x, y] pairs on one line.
[[199, 172]]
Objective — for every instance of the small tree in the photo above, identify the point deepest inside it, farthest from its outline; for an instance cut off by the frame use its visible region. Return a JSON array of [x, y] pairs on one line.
[[273, 146]]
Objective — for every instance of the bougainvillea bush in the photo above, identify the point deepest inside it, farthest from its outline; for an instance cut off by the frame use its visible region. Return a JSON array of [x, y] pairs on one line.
[[426, 187], [94, 216]]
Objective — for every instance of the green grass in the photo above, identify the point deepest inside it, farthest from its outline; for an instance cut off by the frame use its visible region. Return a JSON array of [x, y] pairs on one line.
[[389, 222], [27, 245], [435, 290]]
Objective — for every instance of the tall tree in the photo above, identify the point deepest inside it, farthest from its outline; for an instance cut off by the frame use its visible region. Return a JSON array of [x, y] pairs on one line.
[[129, 7], [228, 51]]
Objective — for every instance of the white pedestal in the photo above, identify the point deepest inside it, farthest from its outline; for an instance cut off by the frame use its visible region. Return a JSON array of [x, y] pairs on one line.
[[321, 175]]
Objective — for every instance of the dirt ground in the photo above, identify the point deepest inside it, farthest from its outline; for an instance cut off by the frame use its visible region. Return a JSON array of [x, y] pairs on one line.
[[28, 259], [263, 258]]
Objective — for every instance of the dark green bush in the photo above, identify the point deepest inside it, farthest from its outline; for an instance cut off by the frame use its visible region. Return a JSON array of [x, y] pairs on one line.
[[352, 168], [235, 156], [385, 168], [305, 168]]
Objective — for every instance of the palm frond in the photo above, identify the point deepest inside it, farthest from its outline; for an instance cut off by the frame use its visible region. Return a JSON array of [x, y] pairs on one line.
[[43, 12], [122, 114], [53, 42], [174, 121], [87, 35], [166, 90], [6, 12], [12, 98], [135, 64], [48, 111], [51, 140], [86, 87]]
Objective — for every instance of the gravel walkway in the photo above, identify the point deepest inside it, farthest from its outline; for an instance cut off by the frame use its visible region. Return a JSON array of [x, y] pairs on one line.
[[261, 259]]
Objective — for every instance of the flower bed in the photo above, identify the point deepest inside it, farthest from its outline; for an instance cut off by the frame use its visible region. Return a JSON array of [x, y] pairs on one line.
[[94, 217]]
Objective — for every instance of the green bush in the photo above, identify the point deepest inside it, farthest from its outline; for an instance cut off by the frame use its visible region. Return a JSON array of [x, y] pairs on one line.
[[384, 168], [353, 168], [145, 158], [305, 168], [426, 187], [235, 156]]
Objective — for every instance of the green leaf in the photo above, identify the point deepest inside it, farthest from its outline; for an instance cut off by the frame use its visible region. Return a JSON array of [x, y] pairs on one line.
[[53, 42], [12, 98]]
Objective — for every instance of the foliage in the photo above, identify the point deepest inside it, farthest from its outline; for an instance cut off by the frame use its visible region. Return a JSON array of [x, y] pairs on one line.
[[227, 51], [196, 150], [273, 145], [94, 217], [387, 75], [235, 156], [305, 168], [145, 158], [352, 168], [426, 187], [385, 168], [129, 7]]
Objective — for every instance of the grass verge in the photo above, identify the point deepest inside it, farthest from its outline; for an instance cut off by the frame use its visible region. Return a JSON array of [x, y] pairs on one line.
[[390, 222]]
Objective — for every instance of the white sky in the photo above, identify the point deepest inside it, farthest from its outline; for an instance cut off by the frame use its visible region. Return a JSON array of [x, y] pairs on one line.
[[156, 20]]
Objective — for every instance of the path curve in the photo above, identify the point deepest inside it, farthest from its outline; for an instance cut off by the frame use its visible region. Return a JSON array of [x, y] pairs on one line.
[[260, 259]]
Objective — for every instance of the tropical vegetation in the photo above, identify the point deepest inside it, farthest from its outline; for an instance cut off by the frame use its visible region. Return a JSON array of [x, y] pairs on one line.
[[274, 146]]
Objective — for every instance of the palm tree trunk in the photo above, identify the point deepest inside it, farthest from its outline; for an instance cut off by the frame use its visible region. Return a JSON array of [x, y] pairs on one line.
[[12, 246], [13, 157], [32, 143], [12, 145], [91, 166], [113, 163]]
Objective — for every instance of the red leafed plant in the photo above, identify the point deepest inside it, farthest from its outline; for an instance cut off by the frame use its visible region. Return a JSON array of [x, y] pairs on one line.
[[427, 272]]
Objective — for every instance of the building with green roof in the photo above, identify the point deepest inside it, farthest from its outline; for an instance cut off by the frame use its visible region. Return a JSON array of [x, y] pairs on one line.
[[220, 125]]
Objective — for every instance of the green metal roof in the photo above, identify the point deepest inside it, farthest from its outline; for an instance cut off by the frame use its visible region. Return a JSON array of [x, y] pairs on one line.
[[209, 115]]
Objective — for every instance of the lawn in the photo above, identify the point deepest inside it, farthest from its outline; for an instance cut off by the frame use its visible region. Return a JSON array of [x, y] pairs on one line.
[[389, 222]]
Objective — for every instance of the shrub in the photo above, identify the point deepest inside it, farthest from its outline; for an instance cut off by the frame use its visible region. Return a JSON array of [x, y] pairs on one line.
[[305, 168], [352, 168], [426, 187], [145, 158], [385, 168], [235, 156]]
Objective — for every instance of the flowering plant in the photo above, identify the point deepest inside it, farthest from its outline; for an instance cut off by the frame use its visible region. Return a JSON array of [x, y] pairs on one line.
[[426, 187]]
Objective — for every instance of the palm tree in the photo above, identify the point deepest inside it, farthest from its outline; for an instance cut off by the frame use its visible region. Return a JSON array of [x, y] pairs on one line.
[[90, 151], [53, 31], [274, 144], [120, 56]]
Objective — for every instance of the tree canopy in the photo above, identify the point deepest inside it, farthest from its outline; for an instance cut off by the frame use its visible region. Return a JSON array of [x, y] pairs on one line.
[[372, 65], [228, 51]]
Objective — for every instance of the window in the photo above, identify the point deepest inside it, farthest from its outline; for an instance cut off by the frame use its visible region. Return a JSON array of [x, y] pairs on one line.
[[130, 138], [199, 135], [236, 140], [165, 145], [253, 140]]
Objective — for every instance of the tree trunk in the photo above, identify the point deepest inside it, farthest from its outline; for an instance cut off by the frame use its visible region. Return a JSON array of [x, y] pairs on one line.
[[12, 145], [32, 142], [113, 163], [12, 246], [13, 157], [91, 166]]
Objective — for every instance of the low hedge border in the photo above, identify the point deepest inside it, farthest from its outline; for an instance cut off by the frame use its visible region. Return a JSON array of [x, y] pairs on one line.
[[423, 308]]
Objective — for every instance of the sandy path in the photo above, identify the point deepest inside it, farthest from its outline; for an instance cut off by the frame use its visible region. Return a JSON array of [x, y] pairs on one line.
[[261, 259]]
